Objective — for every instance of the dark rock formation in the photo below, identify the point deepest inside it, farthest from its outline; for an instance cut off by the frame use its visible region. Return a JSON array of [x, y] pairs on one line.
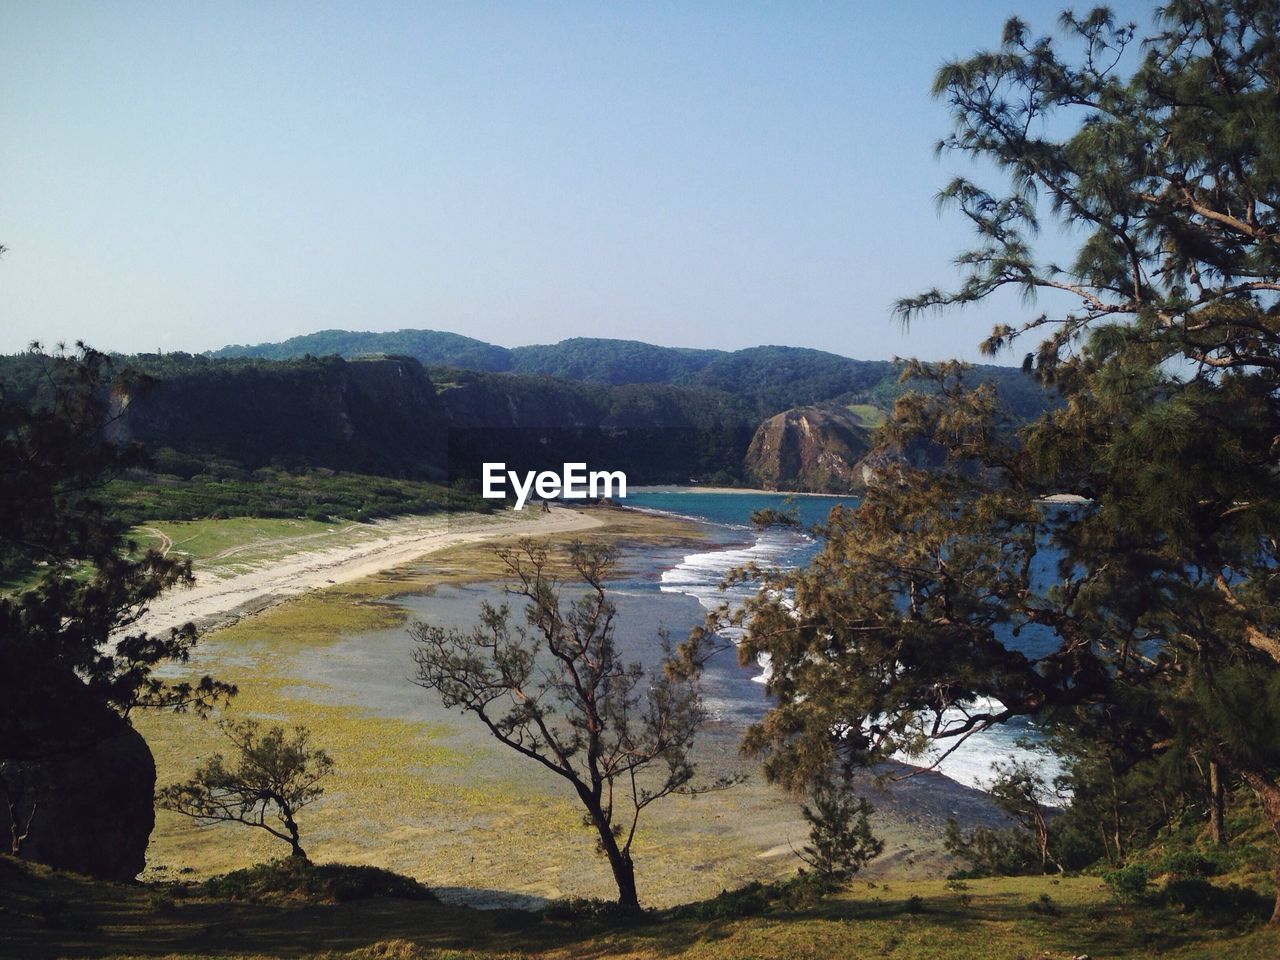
[[81, 791], [378, 415]]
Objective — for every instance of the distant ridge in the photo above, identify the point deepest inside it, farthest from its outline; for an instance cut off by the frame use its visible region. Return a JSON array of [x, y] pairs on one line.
[[769, 379], [428, 347], [426, 404], [587, 359]]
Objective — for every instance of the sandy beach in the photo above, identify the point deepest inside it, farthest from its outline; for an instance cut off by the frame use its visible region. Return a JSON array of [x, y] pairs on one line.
[[216, 600]]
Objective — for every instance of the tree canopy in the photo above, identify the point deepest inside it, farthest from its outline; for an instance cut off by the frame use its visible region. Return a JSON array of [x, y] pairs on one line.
[[79, 585], [1144, 619], [274, 776]]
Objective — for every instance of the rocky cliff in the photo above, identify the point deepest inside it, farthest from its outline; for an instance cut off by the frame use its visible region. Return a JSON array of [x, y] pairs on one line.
[[77, 783], [390, 416], [378, 416], [817, 449]]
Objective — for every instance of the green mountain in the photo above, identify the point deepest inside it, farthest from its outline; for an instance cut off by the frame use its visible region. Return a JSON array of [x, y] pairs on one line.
[[428, 405], [768, 379], [426, 346]]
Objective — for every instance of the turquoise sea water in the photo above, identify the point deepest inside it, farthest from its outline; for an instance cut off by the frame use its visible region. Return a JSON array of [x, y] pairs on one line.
[[732, 509]]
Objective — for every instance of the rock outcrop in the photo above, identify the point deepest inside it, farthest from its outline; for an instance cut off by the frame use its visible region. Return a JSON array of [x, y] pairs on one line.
[[816, 449], [81, 788]]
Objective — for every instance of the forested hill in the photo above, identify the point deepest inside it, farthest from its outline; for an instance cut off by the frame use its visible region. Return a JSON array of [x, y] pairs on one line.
[[768, 379], [437, 410]]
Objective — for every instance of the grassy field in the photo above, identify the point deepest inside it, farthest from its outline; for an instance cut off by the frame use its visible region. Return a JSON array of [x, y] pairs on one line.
[[868, 415], [244, 540], [317, 494], [51, 915]]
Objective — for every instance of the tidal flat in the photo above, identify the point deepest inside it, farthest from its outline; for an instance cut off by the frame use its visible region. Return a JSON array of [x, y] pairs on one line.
[[427, 792]]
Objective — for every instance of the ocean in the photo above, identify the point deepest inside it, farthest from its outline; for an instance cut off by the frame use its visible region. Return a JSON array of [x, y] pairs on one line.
[[699, 575]]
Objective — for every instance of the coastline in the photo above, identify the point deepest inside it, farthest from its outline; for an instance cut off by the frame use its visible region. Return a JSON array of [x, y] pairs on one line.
[[216, 601], [756, 491], [443, 802]]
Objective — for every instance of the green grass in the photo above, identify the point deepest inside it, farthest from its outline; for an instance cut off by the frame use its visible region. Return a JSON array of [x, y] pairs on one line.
[[316, 495], [869, 416], [47, 914], [204, 540]]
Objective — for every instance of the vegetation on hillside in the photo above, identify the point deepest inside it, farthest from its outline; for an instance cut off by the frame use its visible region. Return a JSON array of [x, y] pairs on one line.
[[765, 380], [182, 487], [73, 665], [662, 415], [1149, 648]]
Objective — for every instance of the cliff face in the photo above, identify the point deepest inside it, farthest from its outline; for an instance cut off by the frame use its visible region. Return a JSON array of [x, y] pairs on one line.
[[75, 778], [656, 433], [389, 416], [373, 416], [814, 449]]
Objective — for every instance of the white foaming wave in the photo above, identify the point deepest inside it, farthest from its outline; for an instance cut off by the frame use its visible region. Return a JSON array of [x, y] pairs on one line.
[[972, 762], [699, 575]]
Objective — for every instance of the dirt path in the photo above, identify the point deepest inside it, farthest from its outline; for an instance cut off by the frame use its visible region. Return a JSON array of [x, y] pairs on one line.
[[215, 601], [165, 544]]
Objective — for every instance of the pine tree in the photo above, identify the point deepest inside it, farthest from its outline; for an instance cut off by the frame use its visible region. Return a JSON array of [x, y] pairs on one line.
[[1157, 631], [840, 839]]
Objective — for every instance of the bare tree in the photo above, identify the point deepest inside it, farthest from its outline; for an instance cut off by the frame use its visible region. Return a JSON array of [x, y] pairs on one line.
[[21, 788], [274, 773], [557, 691]]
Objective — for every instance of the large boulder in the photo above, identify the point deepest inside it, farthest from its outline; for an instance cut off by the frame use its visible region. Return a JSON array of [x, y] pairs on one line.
[[84, 798]]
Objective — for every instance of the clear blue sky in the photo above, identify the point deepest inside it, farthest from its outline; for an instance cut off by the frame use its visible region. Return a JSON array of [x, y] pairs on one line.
[[186, 175]]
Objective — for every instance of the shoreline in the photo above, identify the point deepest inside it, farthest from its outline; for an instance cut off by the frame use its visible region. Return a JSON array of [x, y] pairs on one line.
[[215, 602], [439, 793], [756, 491]]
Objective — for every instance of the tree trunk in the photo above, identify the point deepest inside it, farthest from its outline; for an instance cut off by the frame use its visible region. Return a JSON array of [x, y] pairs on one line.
[[1217, 805], [624, 875], [1042, 839], [624, 871], [292, 827], [1268, 792]]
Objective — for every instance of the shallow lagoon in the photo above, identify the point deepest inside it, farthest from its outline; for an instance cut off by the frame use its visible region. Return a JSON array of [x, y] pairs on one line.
[[664, 589]]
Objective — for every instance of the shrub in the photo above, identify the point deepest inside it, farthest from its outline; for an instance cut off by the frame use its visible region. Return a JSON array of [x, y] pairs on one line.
[[587, 909], [1127, 884], [755, 899], [840, 837], [1044, 906], [1230, 904], [991, 853], [1187, 863], [293, 878]]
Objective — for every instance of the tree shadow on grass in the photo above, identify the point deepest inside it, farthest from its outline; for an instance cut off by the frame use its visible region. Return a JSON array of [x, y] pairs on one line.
[[46, 914]]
